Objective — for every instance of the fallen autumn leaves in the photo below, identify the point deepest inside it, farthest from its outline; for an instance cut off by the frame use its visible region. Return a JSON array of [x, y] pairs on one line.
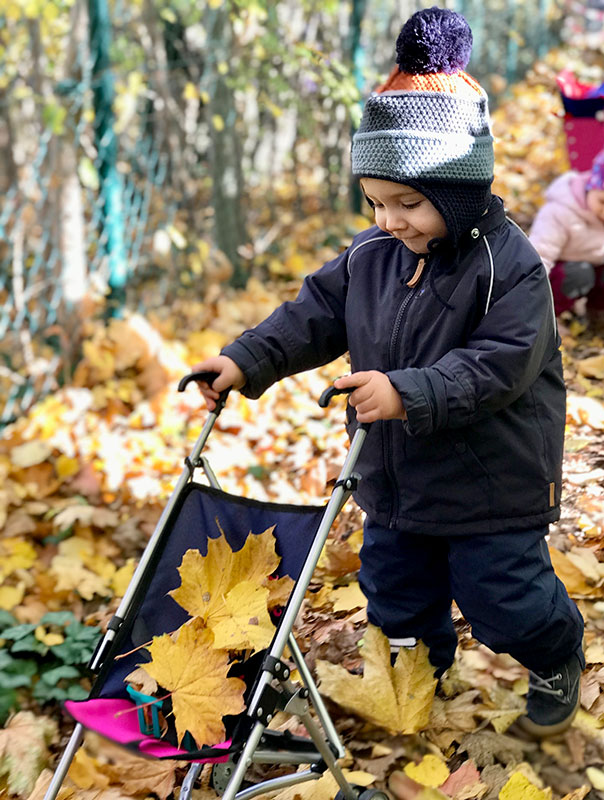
[[85, 476]]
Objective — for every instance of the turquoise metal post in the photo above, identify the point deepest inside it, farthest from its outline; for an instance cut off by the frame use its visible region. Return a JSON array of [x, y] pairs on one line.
[[357, 56], [111, 189]]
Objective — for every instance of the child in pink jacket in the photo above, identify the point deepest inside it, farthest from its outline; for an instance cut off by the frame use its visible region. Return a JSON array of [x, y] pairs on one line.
[[568, 234]]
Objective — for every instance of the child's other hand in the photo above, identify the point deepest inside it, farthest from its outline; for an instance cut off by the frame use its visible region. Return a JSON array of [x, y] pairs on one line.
[[374, 397], [229, 376]]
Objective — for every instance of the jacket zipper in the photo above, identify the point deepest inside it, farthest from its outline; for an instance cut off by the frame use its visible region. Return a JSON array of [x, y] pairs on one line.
[[398, 324]]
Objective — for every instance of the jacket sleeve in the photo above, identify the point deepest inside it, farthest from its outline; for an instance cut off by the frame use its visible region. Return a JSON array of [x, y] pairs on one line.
[[549, 233], [505, 354], [298, 335]]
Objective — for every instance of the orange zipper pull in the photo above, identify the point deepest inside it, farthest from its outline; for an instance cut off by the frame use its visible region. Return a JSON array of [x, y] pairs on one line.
[[417, 274]]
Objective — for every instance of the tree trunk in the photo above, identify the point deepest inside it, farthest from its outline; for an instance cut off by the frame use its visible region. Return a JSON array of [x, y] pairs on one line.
[[8, 168], [227, 179], [357, 59]]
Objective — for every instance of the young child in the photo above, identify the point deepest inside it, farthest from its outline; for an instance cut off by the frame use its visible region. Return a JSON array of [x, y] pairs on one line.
[[568, 234], [445, 309]]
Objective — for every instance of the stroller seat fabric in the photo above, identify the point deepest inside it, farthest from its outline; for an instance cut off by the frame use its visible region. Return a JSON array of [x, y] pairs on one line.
[[201, 513]]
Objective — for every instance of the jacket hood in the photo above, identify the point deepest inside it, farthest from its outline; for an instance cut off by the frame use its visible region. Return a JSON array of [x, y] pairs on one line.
[[569, 190]]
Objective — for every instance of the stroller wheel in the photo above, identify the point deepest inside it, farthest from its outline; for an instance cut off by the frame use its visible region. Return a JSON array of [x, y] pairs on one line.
[[365, 794], [221, 775]]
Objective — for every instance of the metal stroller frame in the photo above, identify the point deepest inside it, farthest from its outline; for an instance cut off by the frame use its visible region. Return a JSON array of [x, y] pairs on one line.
[[272, 689]]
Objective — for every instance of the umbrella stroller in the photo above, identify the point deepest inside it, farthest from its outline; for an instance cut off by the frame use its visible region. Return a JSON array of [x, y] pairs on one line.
[[194, 514], [583, 119]]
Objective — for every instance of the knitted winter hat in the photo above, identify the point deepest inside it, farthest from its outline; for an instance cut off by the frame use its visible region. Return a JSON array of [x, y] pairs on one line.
[[596, 179], [427, 126]]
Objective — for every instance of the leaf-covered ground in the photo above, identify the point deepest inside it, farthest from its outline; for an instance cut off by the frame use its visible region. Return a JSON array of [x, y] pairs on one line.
[[86, 474]]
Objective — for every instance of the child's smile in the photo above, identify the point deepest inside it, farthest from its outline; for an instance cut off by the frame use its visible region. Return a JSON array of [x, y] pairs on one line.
[[405, 213]]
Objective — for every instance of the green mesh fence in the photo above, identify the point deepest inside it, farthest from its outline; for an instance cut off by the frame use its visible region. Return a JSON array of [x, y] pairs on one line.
[[73, 221]]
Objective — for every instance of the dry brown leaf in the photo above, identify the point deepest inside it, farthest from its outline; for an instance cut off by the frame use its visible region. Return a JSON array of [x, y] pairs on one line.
[[24, 750], [142, 775]]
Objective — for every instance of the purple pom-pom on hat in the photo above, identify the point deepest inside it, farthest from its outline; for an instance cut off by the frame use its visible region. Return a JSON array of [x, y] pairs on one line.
[[434, 40]]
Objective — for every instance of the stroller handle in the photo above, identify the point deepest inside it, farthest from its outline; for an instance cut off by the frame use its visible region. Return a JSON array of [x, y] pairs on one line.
[[209, 378], [331, 392]]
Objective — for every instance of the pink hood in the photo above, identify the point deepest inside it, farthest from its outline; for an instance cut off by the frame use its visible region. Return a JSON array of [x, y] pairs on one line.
[[564, 228]]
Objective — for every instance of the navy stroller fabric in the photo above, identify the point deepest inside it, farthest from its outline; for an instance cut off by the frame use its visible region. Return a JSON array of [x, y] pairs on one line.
[[201, 513]]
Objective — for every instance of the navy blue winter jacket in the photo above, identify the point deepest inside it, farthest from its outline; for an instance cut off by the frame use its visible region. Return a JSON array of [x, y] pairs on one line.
[[474, 353]]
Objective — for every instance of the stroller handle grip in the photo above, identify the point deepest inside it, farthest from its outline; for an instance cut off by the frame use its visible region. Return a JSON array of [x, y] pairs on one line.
[[209, 378], [206, 377], [331, 392]]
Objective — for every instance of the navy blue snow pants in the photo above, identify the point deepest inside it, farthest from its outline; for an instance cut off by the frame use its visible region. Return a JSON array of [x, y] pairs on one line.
[[503, 584]]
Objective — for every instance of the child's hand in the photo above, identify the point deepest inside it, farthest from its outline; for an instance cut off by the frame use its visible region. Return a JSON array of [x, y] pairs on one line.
[[374, 398], [229, 376]]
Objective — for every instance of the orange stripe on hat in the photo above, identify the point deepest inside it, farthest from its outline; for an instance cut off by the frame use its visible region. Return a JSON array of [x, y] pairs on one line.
[[456, 83]]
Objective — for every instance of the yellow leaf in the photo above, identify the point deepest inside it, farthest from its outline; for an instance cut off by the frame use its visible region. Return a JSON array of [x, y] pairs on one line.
[[347, 598], [11, 596], [29, 454], [190, 92], [578, 794], [71, 575], [214, 3], [206, 581], [195, 674], [248, 624], [47, 637], [122, 577], [596, 777], [15, 554], [519, 787], [218, 122], [397, 698], [86, 772], [279, 590], [592, 367], [431, 771], [204, 344], [570, 575], [66, 467], [360, 777]]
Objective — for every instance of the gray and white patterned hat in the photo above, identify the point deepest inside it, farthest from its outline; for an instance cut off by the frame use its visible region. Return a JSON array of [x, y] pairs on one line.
[[428, 125]]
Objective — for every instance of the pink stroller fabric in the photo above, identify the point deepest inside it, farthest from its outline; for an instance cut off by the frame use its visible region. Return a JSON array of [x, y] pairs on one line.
[[116, 720]]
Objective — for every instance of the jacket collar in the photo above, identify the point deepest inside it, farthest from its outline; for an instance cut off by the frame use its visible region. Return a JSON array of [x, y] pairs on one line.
[[493, 217]]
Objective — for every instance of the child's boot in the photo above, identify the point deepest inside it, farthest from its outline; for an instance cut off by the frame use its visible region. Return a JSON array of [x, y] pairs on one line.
[[553, 698]]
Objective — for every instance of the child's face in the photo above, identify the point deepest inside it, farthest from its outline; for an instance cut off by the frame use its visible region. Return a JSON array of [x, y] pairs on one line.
[[405, 213], [595, 202]]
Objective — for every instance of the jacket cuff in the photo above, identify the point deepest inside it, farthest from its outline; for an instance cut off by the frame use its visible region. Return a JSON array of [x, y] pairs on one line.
[[418, 399], [250, 364]]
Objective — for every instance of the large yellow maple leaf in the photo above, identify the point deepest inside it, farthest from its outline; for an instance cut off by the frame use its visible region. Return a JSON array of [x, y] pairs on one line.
[[397, 698], [248, 623], [195, 674], [207, 580]]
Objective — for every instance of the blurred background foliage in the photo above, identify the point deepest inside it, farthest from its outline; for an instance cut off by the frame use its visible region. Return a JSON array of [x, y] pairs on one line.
[[152, 150]]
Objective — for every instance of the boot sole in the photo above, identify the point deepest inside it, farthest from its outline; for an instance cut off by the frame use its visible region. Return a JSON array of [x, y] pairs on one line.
[[536, 731]]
